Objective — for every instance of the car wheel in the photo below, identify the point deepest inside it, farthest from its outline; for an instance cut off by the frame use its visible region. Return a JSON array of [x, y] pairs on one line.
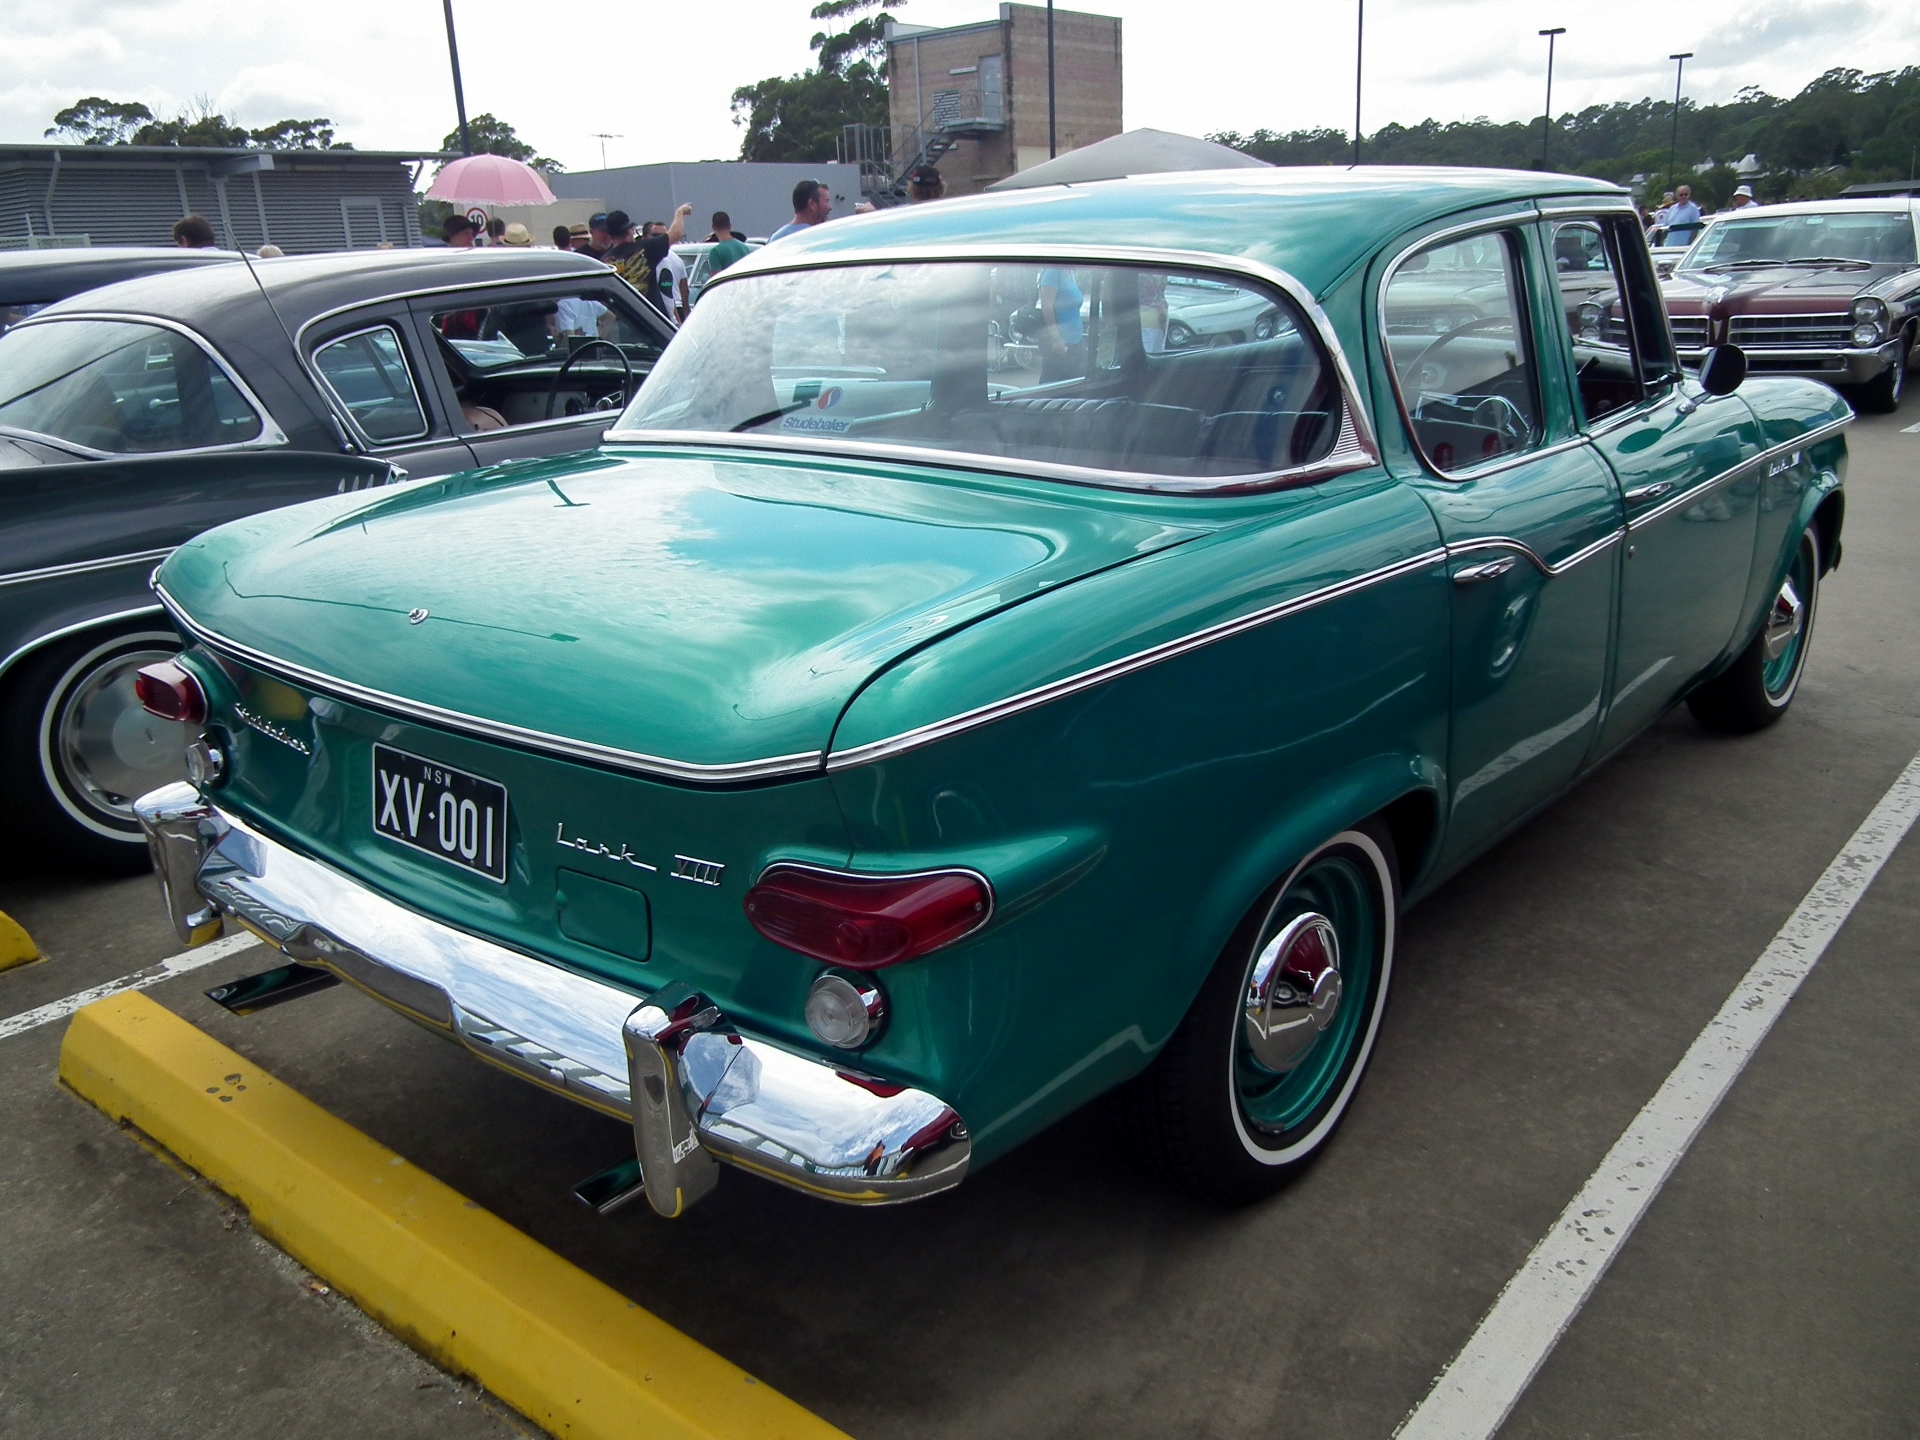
[[1756, 689], [1261, 1070], [1883, 393], [78, 748]]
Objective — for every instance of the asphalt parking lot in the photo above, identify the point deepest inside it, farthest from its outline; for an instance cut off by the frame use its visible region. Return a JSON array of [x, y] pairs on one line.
[[1773, 1288]]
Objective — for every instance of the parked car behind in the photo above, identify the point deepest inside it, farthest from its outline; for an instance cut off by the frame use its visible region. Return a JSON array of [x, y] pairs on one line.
[[31, 280], [699, 267], [872, 752], [1827, 289], [135, 416]]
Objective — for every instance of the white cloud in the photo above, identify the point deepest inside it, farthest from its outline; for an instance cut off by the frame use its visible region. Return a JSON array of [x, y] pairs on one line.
[[561, 73]]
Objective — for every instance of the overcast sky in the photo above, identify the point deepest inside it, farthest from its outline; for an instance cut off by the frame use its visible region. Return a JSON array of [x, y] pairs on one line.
[[659, 76]]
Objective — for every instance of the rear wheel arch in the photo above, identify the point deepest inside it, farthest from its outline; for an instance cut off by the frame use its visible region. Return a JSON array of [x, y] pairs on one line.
[[1826, 523]]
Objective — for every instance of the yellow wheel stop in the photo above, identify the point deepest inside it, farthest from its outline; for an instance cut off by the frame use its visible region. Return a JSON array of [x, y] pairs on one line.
[[458, 1283], [16, 946]]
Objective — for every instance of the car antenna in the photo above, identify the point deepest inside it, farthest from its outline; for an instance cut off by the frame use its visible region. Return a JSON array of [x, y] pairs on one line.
[[281, 320]]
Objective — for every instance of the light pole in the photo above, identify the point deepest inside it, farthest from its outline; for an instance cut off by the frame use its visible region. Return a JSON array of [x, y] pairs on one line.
[[1359, 58], [603, 136], [1673, 146], [1053, 144], [459, 96], [1546, 127]]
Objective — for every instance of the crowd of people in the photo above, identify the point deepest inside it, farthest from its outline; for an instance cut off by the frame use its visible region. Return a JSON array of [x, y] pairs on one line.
[[1680, 219]]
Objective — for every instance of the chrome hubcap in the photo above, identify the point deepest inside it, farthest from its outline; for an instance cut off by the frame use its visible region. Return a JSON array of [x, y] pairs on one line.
[[1784, 621], [1293, 993], [109, 748]]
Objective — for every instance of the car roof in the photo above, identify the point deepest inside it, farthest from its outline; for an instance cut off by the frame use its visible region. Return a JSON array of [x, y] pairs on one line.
[[1851, 205], [1315, 222], [303, 286], [31, 276]]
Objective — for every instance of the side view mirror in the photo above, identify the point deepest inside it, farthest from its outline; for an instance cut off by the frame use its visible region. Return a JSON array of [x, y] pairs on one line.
[[1724, 369]]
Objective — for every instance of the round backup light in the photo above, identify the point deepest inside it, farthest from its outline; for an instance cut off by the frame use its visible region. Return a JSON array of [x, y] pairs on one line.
[[843, 1012], [168, 689], [863, 922], [206, 764]]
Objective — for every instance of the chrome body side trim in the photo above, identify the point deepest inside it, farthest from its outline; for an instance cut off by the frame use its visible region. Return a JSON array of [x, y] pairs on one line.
[[270, 432], [85, 567], [1532, 556], [734, 1097], [1114, 669], [1355, 446], [76, 628], [775, 767], [1785, 447]]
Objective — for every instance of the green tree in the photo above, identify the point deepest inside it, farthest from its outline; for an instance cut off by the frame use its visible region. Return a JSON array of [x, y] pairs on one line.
[[799, 117], [314, 134], [94, 121], [491, 135]]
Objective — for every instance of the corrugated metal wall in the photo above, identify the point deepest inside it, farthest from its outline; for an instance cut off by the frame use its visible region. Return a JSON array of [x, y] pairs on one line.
[[306, 204]]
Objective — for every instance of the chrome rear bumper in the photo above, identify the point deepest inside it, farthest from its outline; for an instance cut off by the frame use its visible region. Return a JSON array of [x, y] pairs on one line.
[[706, 1092]]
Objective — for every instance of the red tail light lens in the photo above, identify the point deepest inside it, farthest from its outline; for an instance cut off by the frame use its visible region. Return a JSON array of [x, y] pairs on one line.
[[866, 921], [170, 691]]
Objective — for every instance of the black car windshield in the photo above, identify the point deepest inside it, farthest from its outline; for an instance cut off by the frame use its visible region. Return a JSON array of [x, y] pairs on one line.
[[1869, 237], [1105, 367]]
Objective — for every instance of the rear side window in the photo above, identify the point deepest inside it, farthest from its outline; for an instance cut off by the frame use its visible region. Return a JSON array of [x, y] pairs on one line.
[[367, 372], [1455, 318], [119, 386]]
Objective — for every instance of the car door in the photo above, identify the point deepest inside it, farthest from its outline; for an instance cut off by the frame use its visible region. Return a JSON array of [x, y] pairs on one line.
[[370, 367], [1678, 455], [540, 368], [1528, 513]]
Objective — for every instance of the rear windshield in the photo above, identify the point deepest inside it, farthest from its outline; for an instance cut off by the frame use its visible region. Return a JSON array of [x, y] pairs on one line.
[[118, 386], [1116, 368], [1872, 238]]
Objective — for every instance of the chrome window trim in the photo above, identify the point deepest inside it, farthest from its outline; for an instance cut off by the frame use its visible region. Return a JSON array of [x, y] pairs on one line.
[[1515, 221], [974, 719], [76, 628], [302, 351], [1355, 446], [270, 435], [775, 767], [84, 567], [335, 397]]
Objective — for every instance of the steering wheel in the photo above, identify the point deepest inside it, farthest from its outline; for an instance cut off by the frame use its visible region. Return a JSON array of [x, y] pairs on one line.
[[1503, 418], [626, 372], [1454, 334]]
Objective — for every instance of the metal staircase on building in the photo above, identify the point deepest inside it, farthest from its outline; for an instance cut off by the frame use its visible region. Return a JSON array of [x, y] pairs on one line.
[[887, 155]]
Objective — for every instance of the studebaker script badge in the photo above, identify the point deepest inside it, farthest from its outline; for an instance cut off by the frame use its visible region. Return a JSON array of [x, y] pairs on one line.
[[272, 731]]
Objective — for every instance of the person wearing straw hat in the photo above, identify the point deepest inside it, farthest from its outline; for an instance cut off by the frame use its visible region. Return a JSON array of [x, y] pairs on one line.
[[518, 236]]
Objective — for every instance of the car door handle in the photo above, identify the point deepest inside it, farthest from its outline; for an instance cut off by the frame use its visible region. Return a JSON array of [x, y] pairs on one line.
[[1486, 570], [1648, 492]]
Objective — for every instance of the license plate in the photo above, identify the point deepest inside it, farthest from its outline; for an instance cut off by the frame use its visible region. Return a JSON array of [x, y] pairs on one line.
[[425, 805]]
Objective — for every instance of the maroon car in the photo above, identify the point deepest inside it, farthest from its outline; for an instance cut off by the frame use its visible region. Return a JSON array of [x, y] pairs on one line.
[[1828, 289]]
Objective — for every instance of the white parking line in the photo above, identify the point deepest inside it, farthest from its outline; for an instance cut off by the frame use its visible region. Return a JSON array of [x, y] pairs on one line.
[[138, 980], [1473, 1396], [1910, 429]]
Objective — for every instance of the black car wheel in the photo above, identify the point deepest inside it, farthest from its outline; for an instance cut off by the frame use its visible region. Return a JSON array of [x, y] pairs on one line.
[[1261, 1071], [77, 748], [1756, 689]]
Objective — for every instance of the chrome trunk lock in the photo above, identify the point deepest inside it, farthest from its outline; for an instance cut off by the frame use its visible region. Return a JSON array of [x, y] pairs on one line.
[[674, 1167]]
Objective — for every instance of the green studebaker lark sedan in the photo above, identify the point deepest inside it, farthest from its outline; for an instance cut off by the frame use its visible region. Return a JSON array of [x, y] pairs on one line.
[[894, 736]]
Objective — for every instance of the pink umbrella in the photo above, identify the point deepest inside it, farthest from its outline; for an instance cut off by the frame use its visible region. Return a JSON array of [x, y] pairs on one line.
[[490, 180]]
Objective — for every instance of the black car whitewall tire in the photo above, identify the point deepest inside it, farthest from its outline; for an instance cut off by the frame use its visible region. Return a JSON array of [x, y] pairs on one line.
[[76, 749], [1209, 1112]]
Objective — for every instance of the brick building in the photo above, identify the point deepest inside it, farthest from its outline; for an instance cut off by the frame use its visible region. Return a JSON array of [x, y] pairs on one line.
[[973, 98]]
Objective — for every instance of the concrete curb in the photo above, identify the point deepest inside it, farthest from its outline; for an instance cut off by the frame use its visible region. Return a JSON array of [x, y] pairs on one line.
[[457, 1283], [16, 946]]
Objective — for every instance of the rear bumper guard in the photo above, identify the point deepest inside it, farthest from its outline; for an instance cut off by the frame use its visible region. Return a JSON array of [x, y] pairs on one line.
[[706, 1092]]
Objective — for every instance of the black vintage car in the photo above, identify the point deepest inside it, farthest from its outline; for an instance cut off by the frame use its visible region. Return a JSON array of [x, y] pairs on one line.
[[135, 416], [31, 280]]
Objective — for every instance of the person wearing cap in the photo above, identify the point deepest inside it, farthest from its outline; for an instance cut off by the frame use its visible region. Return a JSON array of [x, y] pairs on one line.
[[458, 231], [637, 260], [1742, 198], [598, 240], [925, 184], [517, 235]]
